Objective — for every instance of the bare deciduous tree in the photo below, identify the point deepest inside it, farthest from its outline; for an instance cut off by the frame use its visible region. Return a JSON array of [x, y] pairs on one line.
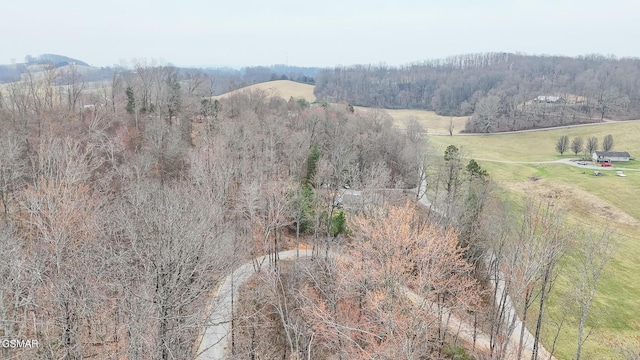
[[593, 252], [176, 244], [415, 131], [12, 168], [546, 225], [562, 145], [591, 146], [74, 84], [488, 112], [62, 224], [398, 250], [577, 144], [607, 143], [17, 290]]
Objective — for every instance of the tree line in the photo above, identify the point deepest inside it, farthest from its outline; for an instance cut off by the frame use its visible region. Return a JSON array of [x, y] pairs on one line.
[[499, 90], [578, 145], [226, 78]]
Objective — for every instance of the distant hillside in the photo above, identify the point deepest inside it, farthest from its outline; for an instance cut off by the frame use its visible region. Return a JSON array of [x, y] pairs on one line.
[[13, 72], [496, 88], [10, 73], [284, 88], [55, 60], [257, 74]]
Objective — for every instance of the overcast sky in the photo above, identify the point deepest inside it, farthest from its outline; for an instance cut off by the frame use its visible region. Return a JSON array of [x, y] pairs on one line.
[[313, 33]]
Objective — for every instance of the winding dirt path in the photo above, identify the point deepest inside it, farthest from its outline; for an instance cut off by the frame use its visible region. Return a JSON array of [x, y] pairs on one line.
[[511, 313]]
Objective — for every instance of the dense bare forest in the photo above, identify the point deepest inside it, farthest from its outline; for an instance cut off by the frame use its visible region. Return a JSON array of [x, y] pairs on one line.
[[501, 91], [124, 205]]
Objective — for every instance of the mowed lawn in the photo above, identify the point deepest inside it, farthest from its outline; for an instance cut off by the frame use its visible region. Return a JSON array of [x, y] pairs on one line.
[[541, 145], [593, 202]]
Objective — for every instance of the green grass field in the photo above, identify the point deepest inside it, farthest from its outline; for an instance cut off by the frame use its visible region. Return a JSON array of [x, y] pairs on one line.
[[540, 145], [592, 202]]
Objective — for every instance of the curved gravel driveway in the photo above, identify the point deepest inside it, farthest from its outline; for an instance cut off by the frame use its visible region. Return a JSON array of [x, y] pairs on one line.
[[214, 342]]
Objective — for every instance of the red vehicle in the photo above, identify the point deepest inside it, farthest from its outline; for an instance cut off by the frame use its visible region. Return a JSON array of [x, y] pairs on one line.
[[605, 164]]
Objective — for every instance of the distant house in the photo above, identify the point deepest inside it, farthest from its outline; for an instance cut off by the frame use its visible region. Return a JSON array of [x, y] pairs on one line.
[[357, 200], [549, 99], [611, 156]]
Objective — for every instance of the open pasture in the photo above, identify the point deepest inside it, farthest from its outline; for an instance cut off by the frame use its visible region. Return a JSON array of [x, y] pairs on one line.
[[283, 88], [430, 121], [592, 202]]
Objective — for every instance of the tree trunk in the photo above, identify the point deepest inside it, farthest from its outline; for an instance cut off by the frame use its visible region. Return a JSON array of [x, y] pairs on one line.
[[527, 298], [543, 293]]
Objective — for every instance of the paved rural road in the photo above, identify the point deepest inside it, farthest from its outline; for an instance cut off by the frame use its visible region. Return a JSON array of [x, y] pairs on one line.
[[606, 121], [214, 343], [215, 338], [512, 314], [570, 162]]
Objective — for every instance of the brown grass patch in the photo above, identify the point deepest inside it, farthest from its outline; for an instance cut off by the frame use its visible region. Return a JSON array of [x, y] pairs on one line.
[[433, 123], [575, 200], [284, 88]]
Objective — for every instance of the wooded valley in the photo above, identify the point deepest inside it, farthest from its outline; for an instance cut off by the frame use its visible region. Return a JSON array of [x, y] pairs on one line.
[[500, 91], [125, 203]]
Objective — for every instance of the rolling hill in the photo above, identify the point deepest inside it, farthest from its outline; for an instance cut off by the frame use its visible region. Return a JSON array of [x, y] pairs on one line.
[[430, 121], [283, 88]]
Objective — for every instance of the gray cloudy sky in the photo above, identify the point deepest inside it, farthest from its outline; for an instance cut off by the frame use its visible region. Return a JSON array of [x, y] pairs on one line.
[[313, 33]]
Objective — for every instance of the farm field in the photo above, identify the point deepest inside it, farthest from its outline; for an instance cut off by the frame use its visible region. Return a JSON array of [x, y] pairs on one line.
[[606, 200], [430, 121], [540, 145], [283, 88], [591, 202]]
